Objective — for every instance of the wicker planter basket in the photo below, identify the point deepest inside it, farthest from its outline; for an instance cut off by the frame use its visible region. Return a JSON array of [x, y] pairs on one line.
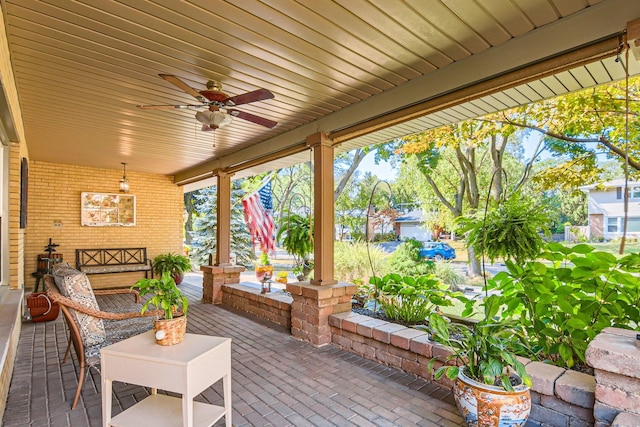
[[171, 331]]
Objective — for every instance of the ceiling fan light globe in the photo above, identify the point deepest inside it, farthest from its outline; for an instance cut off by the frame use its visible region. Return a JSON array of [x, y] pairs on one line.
[[213, 118]]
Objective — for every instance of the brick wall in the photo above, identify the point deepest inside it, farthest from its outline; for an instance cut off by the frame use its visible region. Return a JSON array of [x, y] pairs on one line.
[[10, 312], [54, 198], [274, 307], [559, 397]]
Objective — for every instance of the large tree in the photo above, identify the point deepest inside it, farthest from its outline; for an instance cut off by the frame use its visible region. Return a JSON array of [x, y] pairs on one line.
[[352, 205], [582, 125], [463, 163]]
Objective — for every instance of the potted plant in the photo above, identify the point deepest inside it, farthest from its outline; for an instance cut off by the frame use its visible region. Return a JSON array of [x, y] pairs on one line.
[[281, 277], [166, 297], [176, 265], [296, 234], [264, 270], [491, 386]]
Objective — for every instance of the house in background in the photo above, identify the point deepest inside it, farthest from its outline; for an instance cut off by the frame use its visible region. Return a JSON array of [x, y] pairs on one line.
[[606, 209], [410, 225]]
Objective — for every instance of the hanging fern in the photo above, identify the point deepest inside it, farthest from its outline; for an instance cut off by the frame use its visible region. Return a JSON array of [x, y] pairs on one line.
[[513, 230], [295, 234]]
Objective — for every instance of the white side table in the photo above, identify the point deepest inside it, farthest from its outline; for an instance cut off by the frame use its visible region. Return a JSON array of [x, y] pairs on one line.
[[187, 368]]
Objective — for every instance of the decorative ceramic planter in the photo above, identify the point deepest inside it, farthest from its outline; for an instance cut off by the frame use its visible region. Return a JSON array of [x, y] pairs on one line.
[[483, 405]]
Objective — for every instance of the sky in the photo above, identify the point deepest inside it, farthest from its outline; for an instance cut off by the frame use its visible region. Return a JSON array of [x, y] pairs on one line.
[[383, 170]]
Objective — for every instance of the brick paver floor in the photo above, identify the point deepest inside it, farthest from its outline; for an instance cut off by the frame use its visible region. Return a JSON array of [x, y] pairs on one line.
[[276, 380]]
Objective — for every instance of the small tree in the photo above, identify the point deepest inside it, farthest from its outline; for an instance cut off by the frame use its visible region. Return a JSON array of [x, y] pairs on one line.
[[406, 260]]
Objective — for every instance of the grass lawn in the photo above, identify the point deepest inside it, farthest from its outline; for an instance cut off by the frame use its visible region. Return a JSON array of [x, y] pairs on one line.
[[458, 307], [613, 247]]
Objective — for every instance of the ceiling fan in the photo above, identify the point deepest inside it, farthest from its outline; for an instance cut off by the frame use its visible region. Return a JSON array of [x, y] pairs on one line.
[[218, 113]]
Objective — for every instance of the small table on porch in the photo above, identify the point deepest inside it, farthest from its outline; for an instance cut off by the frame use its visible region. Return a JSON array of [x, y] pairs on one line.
[[187, 368]]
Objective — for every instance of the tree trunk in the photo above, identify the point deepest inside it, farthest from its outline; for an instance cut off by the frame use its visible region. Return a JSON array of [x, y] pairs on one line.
[[473, 268], [344, 179]]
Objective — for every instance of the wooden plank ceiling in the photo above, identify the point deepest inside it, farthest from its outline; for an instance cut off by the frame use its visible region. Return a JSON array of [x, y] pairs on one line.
[[81, 67]]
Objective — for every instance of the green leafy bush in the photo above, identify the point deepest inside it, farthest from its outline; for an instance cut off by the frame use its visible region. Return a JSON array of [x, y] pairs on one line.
[[411, 299], [564, 305], [448, 274], [406, 260]]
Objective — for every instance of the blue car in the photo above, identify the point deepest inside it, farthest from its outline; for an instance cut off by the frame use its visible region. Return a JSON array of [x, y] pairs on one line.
[[437, 251]]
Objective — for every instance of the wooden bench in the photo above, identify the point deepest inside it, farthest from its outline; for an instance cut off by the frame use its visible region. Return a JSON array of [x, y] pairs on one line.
[[117, 260]]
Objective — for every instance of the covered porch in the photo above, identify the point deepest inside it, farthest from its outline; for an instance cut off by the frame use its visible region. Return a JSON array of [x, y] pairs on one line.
[[277, 380], [75, 129]]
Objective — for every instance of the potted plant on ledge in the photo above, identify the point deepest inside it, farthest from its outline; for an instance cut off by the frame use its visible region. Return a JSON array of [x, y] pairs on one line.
[[165, 297], [491, 386], [282, 277], [264, 270], [176, 265]]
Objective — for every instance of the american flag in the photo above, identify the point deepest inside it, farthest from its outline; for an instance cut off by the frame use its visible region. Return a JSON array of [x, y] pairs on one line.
[[258, 214]]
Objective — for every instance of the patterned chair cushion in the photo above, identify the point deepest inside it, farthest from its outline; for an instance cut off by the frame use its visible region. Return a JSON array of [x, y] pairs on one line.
[[75, 285], [117, 330]]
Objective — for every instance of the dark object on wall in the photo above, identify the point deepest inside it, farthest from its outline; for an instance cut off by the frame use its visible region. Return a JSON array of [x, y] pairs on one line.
[[41, 308], [24, 185]]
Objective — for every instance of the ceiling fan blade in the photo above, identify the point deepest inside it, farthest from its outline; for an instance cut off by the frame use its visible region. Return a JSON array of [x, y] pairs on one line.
[[245, 98], [170, 107], [182, 85], [252, 118]]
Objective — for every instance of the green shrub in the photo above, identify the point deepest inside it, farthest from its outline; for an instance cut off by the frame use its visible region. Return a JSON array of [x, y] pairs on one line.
[[563, 306], [406, 260], [385, 237]]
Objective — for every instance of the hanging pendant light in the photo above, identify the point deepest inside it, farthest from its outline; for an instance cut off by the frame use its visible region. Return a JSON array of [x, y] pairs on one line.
[[124, 182]]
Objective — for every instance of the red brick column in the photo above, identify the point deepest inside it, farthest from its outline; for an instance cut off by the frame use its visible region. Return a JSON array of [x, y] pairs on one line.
[[313, 304], [213, 279]]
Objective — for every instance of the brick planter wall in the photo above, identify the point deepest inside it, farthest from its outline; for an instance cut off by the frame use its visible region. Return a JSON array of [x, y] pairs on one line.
[[616, 360], [562, 398], [274, 307], [559, 397]]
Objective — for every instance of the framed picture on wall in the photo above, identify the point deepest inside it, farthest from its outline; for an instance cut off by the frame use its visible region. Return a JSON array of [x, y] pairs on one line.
[[104, 209]]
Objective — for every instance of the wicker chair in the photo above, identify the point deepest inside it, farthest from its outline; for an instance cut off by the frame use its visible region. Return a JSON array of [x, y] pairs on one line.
[[118, 325]]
